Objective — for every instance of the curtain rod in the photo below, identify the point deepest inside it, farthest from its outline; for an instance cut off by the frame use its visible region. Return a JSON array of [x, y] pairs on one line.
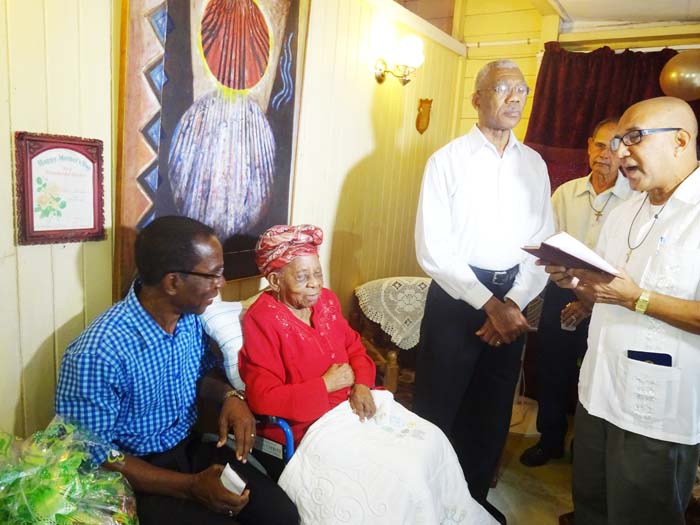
[[681, 47], [528, 41], [502, 43]]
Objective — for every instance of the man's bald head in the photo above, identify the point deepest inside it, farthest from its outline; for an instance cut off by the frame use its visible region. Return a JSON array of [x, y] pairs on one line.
[[657, 141], [665, 112]]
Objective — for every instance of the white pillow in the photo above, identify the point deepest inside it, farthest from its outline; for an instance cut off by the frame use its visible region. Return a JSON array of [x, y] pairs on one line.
[[222, 321]]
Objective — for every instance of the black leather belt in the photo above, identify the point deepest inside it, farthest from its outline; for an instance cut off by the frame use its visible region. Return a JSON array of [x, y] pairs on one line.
[[498, 277]]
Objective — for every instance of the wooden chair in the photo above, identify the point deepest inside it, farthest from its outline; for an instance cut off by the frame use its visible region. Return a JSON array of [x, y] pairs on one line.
[[383, 352]]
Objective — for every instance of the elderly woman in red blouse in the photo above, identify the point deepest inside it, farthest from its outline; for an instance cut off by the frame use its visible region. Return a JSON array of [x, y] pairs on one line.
[[300, 356], [364, 458]]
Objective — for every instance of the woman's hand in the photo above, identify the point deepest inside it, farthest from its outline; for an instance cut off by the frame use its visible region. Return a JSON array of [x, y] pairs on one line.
[[338, 376], [362, 402], [207, 489]]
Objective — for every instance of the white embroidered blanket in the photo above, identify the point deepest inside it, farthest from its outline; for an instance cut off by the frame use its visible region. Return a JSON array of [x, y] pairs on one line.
[[397, 305], [396, 468]]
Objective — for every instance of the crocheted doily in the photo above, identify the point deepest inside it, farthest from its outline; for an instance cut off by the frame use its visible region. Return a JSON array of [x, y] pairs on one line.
[[396, 304]]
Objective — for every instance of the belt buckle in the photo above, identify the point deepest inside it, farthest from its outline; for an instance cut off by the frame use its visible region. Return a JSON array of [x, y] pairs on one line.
[[499, 278]]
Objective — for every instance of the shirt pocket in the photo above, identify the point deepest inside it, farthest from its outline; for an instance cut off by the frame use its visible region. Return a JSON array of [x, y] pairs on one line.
[[649, 392]]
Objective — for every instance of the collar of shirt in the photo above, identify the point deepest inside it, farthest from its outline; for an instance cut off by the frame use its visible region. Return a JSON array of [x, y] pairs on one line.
[[476, 140], [621, 189], [689, 189], [144, 323]]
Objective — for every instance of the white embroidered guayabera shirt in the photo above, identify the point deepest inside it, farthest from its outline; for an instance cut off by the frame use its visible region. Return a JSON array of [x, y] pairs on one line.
[[656, 401]]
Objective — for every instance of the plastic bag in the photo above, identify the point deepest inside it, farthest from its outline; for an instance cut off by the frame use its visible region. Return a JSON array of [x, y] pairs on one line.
[[50, 479]]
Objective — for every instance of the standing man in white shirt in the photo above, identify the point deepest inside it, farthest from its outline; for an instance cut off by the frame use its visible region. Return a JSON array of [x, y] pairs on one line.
[[638, 422], [581, 206], [484, 196]]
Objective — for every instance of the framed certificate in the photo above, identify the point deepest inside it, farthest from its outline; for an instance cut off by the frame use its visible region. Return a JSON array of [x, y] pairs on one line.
[[59, 189]]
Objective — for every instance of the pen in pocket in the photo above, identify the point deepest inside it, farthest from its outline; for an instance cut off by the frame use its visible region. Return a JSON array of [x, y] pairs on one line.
[[660, 244]]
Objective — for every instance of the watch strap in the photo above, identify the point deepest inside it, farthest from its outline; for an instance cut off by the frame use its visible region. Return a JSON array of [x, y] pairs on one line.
[[234, 393]]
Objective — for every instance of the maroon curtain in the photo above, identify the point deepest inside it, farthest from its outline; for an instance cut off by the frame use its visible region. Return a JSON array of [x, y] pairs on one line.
[[575, 91]]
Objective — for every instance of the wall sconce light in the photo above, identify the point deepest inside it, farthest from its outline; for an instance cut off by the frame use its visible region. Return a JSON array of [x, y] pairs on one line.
[[409, 58]]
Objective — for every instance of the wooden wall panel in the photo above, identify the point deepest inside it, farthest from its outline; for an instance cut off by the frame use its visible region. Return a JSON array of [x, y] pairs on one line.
[[517, 27], [57, 70], [11, 412], [360, 158]]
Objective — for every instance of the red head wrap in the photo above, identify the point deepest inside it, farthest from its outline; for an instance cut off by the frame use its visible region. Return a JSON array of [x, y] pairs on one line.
[[283, 243]]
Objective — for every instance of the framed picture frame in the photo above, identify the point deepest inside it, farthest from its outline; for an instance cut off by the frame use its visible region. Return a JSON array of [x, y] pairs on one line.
[[59, 188]]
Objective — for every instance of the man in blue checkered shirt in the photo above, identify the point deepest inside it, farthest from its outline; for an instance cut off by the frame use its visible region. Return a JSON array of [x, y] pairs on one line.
[[132, 378]]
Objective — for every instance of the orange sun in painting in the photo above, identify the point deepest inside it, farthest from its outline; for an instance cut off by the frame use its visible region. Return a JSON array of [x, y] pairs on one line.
[[235, 42]]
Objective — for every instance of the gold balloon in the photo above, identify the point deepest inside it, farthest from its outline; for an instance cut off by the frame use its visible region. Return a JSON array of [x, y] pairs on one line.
[[680, 77]]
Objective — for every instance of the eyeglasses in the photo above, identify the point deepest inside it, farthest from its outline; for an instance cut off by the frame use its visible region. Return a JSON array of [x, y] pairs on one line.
[[212, 276], [635, 136], [502, 89]]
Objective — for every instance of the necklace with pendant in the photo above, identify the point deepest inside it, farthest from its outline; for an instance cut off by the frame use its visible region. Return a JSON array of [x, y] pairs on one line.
[[629, 233], [598, 213]]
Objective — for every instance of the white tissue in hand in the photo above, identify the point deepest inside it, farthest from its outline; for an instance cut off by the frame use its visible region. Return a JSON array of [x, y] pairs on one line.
[[232, 481]]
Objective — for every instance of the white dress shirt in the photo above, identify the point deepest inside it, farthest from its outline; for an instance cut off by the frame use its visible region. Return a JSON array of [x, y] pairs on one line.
[[573, 213], [478, 208], [656, 401]]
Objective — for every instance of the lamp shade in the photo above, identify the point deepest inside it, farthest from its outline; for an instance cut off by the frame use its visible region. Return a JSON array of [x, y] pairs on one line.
[[410, 52]]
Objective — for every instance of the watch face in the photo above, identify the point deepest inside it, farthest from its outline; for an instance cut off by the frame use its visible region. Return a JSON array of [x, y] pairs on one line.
[[641, 305]]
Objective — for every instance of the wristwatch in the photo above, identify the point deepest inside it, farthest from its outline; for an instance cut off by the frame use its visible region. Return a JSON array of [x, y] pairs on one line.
[[234, 393], [643, 302]]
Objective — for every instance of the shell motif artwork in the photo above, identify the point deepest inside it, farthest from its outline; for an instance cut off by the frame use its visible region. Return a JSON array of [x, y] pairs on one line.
[[209, 111], [222, 159], [235, 42], [221, 163]]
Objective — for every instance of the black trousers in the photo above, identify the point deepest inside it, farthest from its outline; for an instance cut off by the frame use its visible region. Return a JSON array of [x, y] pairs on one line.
[[268, 504], [465, 386], [558, 352]]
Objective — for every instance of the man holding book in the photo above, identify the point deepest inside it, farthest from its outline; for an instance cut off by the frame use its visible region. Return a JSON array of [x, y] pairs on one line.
[[638, 423], [484, 196], [580, 206]]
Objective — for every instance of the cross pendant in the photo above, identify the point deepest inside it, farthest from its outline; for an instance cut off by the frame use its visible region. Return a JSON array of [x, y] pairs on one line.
[[629, 253], [598, 215]]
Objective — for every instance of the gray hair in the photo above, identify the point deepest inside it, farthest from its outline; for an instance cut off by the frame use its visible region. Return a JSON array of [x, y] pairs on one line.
[[496, 64], [604, 122]]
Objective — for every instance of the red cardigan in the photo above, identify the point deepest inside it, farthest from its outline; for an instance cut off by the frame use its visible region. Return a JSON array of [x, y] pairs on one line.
[[283, 359]]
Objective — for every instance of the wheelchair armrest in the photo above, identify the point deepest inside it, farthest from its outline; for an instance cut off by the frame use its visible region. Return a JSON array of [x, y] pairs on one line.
[[288, 447]]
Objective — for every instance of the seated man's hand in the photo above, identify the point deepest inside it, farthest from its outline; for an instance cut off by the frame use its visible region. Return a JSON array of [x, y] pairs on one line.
[[506, 318], [207, 489], [338, 376], [362, 402], [236, 415]]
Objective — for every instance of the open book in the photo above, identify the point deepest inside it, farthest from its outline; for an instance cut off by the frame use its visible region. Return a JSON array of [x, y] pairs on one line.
[[562, 249]]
